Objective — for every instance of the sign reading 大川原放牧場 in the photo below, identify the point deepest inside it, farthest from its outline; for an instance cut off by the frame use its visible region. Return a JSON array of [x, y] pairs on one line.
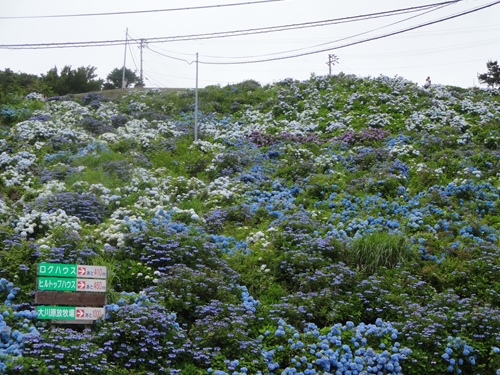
[[70, 312], [72, 270], [61, 287], [71, 284]]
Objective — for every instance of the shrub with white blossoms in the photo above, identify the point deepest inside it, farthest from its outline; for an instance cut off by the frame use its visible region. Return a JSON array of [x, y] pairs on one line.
[[403, 150], [144, 132], [35, 96], [109, 137], [206, 146], [5, 210], [168, 129], [106, 110], [325, 162], [152, 198], [422, 167], [464, 138], [459, 123], [471, 171], [105, 195], [257, 238], [35, 131], [29, 223], [415, 121], [379, 120], [191, 213], [222, 190], [305, 124], [50, 188], [114, 231], [68, 112], [138, 130], [297, 153], [138, 106], [226, 129], [16, 168], [140, 176]]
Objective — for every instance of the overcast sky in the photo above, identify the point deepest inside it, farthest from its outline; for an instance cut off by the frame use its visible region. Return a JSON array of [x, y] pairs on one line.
[[451, 52]]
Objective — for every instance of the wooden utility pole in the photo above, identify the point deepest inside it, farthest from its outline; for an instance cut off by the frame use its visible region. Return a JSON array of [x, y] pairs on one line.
[[332, 60]]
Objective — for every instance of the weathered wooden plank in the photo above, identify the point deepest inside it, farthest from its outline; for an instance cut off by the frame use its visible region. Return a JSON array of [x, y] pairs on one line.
[[69, 298], [63, 322]]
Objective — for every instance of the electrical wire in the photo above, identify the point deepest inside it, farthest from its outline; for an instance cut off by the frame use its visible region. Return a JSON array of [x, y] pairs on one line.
[[427, 51], [162, 62], [138, 11], [357, 42], [417, 66], [158, 83], [231, 33], [171, 57], [338, 40], [133, 59]]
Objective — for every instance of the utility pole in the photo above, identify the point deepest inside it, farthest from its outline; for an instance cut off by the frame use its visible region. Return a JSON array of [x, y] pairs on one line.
[[332, 60], [196, 103], [142, 45], [125, 60]]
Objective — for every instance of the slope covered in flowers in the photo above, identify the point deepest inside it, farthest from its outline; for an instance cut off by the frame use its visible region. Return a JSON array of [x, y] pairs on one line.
[[339, 225]]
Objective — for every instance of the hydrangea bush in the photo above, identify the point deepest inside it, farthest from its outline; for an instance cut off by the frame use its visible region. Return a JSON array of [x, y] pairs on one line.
[[337, 225]]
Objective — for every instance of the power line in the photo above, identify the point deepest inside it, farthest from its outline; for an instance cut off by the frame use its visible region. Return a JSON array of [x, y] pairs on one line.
[[162, 62], [440, 49], [138, 11], [170, 57], [357, 42], [133, 59], [232, 33], [338, 40]]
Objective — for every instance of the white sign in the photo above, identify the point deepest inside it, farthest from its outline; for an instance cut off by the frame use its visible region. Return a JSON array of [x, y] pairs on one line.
[[90, 285], [92, 313], [92, 272]]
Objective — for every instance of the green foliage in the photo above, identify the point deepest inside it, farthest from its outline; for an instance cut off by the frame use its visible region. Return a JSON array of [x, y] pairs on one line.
[[72, 81], [17, 85], [492, 77], [18, 110], [380, 249], [181, 159], [19, 265], [115, 79], [108, 168]]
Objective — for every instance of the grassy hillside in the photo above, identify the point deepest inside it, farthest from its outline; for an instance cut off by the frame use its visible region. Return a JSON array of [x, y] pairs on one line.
[[339, 225]]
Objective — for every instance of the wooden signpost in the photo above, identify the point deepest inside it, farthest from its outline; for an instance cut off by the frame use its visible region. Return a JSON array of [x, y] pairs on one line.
[[70, 293]]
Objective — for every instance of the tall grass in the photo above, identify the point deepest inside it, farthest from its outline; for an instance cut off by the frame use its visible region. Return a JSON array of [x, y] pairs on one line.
[[95, 171], [380, 249]]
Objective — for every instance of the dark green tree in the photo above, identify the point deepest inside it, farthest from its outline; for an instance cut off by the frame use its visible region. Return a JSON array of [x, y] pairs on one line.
[[72, 81], [14, 85], [492, 77], [115, 78]]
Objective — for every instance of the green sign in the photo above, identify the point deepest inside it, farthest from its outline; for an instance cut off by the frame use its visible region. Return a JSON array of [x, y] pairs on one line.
[[72, 270], [69, 312], [71, 284], [56, 312], [57, 269], [54, 283]]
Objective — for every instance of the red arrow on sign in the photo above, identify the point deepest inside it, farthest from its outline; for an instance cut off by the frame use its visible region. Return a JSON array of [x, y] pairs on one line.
[[82, 271], [81, 284], [80, 313]]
